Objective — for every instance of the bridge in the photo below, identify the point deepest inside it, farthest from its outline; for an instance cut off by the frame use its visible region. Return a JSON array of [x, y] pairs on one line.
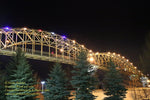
[[49, 46]]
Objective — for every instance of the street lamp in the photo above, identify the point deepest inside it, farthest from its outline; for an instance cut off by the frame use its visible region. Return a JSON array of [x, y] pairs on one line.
[[42, 82]]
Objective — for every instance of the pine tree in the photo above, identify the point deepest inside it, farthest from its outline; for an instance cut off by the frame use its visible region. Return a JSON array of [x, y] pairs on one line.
[[113, 84], [2, 85], [20, 79], [82, 81], [12, 64], [57, 85]]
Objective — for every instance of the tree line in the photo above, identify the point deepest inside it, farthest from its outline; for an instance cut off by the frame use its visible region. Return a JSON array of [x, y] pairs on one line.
[[17, 81]]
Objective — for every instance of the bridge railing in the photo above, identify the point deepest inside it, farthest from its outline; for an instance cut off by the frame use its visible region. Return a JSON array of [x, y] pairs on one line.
[[45, 55]]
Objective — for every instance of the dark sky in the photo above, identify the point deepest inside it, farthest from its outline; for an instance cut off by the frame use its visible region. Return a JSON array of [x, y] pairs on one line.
[[108, 25]]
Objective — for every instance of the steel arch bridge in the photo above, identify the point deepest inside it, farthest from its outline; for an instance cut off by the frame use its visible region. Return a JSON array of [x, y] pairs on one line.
[[49, 46]]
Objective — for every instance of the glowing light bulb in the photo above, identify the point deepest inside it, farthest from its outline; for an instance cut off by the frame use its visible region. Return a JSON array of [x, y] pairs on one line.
[[6, 28], [64, 37], [96, 53], [82, 46], [122, 56], [42, 82], [90, 50], [114, 53], [74, 41], [24, 28], [91, 59], [46, 36], [39, 30], [61, 50], [53, 33]]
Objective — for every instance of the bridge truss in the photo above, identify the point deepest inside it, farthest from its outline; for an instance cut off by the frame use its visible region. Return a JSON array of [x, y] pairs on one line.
[[49, 46]]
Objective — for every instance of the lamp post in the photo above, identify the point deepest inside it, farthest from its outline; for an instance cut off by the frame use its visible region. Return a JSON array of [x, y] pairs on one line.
[[42, 82]]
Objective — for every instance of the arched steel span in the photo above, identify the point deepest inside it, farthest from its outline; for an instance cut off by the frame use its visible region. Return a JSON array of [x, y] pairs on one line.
[[43, 45]]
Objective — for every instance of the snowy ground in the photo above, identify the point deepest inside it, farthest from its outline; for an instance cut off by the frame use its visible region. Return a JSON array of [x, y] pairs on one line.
[[131, 93]]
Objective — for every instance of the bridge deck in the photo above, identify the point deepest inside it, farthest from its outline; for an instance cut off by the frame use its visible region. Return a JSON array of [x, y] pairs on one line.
[[39, 57], [47, 58]]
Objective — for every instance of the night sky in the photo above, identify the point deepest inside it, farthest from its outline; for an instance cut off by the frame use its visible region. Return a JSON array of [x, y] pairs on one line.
[[108, 25]]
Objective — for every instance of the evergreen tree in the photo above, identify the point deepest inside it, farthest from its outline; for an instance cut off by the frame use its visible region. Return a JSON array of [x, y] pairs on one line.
[[20, 81], [12, 64], [113, 84], [83, 81], [57, 85], [2, 85]]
